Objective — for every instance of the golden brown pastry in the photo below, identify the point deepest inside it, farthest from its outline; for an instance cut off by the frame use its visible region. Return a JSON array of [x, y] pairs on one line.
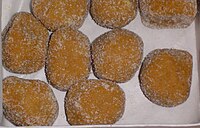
[[117, 55], [56, 14], [113, 13], [28, 102], [165, 76], [92, 102], [167, 13], [24, 44], [68, 58]]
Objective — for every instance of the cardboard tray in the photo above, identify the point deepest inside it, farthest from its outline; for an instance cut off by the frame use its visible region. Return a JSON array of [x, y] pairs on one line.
[[139, 111]]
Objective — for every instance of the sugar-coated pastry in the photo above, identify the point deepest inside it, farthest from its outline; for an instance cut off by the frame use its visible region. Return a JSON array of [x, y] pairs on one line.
[[68, 58], [29, 102], [24, 42], [165, 76], [162, 14], [113, 13], [116, 55], [63, 13], [94, 102]]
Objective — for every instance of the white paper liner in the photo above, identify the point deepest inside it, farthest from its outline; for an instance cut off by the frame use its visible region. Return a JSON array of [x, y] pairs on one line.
[[139, 111]]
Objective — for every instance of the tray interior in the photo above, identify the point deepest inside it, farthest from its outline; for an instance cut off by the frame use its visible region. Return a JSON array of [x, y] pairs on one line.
[[139, 110]]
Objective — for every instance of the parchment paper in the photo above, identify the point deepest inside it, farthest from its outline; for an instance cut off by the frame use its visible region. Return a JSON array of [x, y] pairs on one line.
[[139, 110]]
